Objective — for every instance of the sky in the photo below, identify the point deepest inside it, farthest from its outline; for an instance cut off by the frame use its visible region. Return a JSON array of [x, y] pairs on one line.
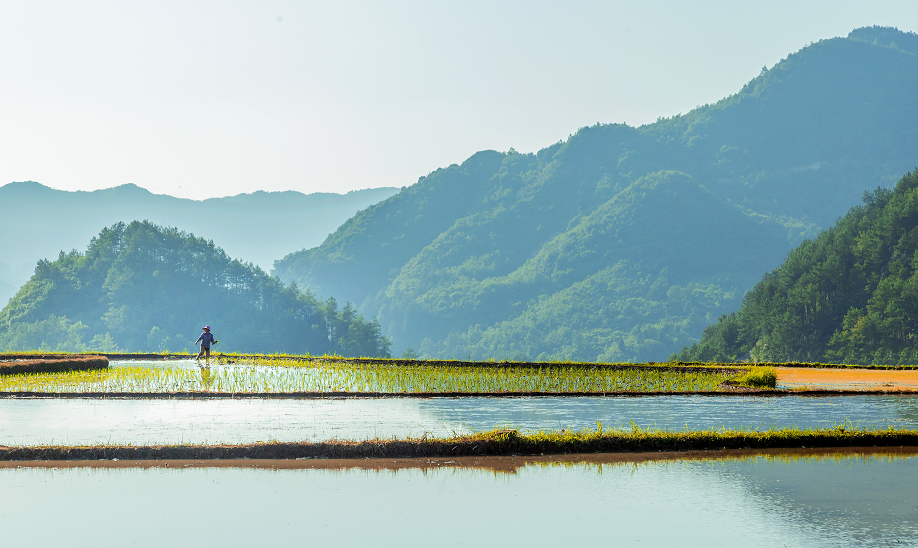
[[205, 99]]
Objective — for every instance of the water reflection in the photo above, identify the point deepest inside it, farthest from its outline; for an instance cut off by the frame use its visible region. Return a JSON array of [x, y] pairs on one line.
[[758, 501], [207, 377], [679, 412], [853, 501]]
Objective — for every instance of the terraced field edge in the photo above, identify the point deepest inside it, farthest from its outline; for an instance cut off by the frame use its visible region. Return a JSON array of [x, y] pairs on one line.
[[491, 443]]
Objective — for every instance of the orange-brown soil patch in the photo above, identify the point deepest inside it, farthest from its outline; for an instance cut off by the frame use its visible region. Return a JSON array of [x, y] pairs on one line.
[[848, 379]]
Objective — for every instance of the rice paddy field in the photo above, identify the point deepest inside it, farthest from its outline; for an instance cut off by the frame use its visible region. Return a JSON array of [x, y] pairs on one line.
[[273, 376], [682, 456]]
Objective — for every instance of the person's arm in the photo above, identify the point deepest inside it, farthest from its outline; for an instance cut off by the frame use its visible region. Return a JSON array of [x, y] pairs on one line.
[[199, 339]]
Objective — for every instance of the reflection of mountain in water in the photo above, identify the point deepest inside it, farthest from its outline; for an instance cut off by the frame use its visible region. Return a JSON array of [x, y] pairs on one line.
[[673, 412], [843, 501], [906, 410], [681, 503]]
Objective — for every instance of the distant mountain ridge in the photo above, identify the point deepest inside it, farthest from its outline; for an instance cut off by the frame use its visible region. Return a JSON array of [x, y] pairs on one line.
[[622, 243], [260, 227]]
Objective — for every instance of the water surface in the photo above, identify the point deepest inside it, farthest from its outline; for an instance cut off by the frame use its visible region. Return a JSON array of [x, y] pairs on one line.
[[99, 421], [809, 502]]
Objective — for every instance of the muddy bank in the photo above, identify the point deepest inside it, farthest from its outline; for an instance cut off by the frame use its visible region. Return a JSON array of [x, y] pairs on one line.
[[742, 392], [50, 364], [507, 464]]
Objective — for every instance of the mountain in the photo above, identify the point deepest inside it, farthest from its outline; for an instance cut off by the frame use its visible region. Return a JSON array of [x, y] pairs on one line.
[[621, 243], [141, 287], [848, 296], [260, 227]]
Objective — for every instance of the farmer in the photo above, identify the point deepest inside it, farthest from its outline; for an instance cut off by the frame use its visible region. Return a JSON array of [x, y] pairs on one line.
[[206, 339]]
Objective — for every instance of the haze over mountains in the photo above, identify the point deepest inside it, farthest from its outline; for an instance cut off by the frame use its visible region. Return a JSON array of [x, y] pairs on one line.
[[622, 243], [39, 222]]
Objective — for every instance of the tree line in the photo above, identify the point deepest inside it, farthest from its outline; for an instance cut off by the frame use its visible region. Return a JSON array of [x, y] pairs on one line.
[[143, 287], [848, 296]]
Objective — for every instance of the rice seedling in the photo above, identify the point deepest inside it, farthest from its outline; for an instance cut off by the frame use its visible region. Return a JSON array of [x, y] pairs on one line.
[[309, 375], [759, 377]]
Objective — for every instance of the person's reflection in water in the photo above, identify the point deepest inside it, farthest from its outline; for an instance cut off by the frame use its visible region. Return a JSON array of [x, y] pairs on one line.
[[207, 377]]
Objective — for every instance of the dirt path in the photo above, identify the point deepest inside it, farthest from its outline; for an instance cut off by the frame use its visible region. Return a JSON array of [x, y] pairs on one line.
[[848, 379]]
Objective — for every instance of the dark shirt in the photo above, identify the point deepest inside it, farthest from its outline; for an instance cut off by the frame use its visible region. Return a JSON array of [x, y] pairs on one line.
[[206, 339]]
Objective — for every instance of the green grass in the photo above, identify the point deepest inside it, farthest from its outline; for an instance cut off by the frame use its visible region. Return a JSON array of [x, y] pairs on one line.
[[759, 377], [493, 443], [310, 375]]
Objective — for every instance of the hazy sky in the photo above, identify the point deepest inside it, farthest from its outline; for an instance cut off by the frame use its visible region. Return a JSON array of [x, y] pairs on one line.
[[216, 98]]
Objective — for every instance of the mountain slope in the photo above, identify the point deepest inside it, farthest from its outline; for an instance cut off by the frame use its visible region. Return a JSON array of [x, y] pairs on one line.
[[632, 238], [635, 277], [260, 227], [849, 296]]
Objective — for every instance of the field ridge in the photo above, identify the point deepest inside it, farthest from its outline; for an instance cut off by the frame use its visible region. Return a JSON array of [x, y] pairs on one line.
[[492, 443]]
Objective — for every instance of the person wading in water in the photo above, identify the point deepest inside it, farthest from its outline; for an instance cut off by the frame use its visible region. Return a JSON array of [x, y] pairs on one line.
[[206, 339]]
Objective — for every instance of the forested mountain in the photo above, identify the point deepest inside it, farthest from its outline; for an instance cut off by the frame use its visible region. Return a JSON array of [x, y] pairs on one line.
[[848, 296], [621, 243], [140, 287], [38, 222]]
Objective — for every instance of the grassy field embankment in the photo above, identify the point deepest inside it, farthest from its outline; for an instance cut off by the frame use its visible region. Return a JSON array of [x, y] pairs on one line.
[[493, 443]]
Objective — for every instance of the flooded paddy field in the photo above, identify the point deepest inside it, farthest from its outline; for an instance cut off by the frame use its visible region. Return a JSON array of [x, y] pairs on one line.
[[319, 377], [803, 497], [288, 376], [800, 498], [146, 422]]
